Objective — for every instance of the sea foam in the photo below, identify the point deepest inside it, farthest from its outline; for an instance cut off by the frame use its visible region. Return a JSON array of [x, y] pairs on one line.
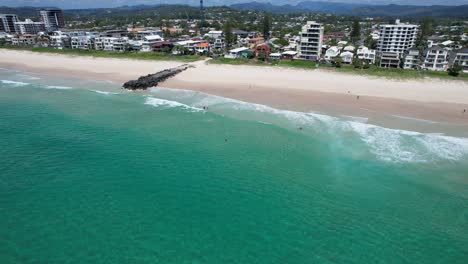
[[58, 87], [14, 83], [157, 102], [103, 92], [392, 145]]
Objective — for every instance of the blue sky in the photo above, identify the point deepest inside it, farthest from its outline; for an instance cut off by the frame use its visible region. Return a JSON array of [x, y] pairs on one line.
[[114, 3]]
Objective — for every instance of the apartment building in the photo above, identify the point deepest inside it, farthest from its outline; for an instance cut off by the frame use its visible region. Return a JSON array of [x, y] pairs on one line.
[[111, 44], [460, 57], [29, 27], [7, 23], [53, 18], [24, 40], [412, 59], [85, 42], [436, 59], [389, 60], [59, 40], [397, 38], [310, 45]]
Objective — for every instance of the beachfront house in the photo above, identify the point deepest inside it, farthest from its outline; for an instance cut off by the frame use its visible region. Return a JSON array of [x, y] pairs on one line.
[[236, 53], [412, 59], [264, 49], [275, 56], [436, 59], [389, 60], [148, 41], [460, 58], [332, 53], [289, 55], [163, 46], [365, 54], [202, 48], [347, 57]]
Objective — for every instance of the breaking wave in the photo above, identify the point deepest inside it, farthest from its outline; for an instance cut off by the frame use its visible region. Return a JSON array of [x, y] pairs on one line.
[[58, 87], [14, 83], [102, 92], [169, 104], [392, 145]]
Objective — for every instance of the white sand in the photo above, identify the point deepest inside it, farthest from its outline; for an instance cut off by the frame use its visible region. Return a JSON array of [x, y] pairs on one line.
[[286, 88]]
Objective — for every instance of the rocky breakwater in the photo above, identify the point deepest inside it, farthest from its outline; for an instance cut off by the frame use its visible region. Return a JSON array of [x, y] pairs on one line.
[[152, 80]]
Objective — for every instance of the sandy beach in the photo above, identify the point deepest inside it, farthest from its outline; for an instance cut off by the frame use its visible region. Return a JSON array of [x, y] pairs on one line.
[[294, 89]]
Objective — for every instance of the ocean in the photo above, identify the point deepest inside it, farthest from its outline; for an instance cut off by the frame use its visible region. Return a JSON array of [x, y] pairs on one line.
[[91, 173]]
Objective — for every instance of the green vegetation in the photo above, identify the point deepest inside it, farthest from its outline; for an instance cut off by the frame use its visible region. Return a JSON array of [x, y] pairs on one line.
[[363, 69], [355, 31], [266, 26], [454, 70], [113, 54], [229, 38], [399, 73]]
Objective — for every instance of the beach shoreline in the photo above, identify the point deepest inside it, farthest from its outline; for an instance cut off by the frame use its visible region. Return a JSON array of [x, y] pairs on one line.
[[403, 104]]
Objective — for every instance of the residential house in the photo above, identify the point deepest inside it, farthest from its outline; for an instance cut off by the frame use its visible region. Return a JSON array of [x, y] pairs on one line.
[[412, 59], [347, 57], [214, 34], [289, 55], [332, 53], [236, 53], [264, 49], [162, 46], [436, 59], [365, 54], [202, 48]]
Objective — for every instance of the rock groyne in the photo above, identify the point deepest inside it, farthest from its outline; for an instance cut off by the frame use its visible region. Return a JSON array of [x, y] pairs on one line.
[[152, 80]]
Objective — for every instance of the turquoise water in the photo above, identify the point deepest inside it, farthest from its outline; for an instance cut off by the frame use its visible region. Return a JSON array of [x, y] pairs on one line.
[[94, 174]]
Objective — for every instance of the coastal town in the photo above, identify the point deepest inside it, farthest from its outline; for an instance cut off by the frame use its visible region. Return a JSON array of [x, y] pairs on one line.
[[361, 43]]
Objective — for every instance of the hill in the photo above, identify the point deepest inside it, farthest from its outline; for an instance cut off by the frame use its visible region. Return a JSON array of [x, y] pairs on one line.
[[359, 9]]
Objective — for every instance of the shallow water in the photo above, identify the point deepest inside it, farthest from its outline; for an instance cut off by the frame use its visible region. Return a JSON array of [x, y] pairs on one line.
[[94, 174]]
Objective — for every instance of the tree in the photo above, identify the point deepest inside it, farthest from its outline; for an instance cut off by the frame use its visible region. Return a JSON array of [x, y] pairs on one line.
[[281, 42], [229, 38], [357, 63], [454, 70], [337, 61], [370, 42], [261, 56], [356, 31], [266, 26], [425, 30]]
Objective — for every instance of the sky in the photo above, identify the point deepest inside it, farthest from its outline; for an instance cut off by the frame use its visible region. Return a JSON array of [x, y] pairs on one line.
[[68, 4]]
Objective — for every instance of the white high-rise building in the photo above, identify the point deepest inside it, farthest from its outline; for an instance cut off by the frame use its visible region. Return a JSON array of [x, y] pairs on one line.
[[29, 27], [397, 38], [310, 45], [7, 23], [53, 18]]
